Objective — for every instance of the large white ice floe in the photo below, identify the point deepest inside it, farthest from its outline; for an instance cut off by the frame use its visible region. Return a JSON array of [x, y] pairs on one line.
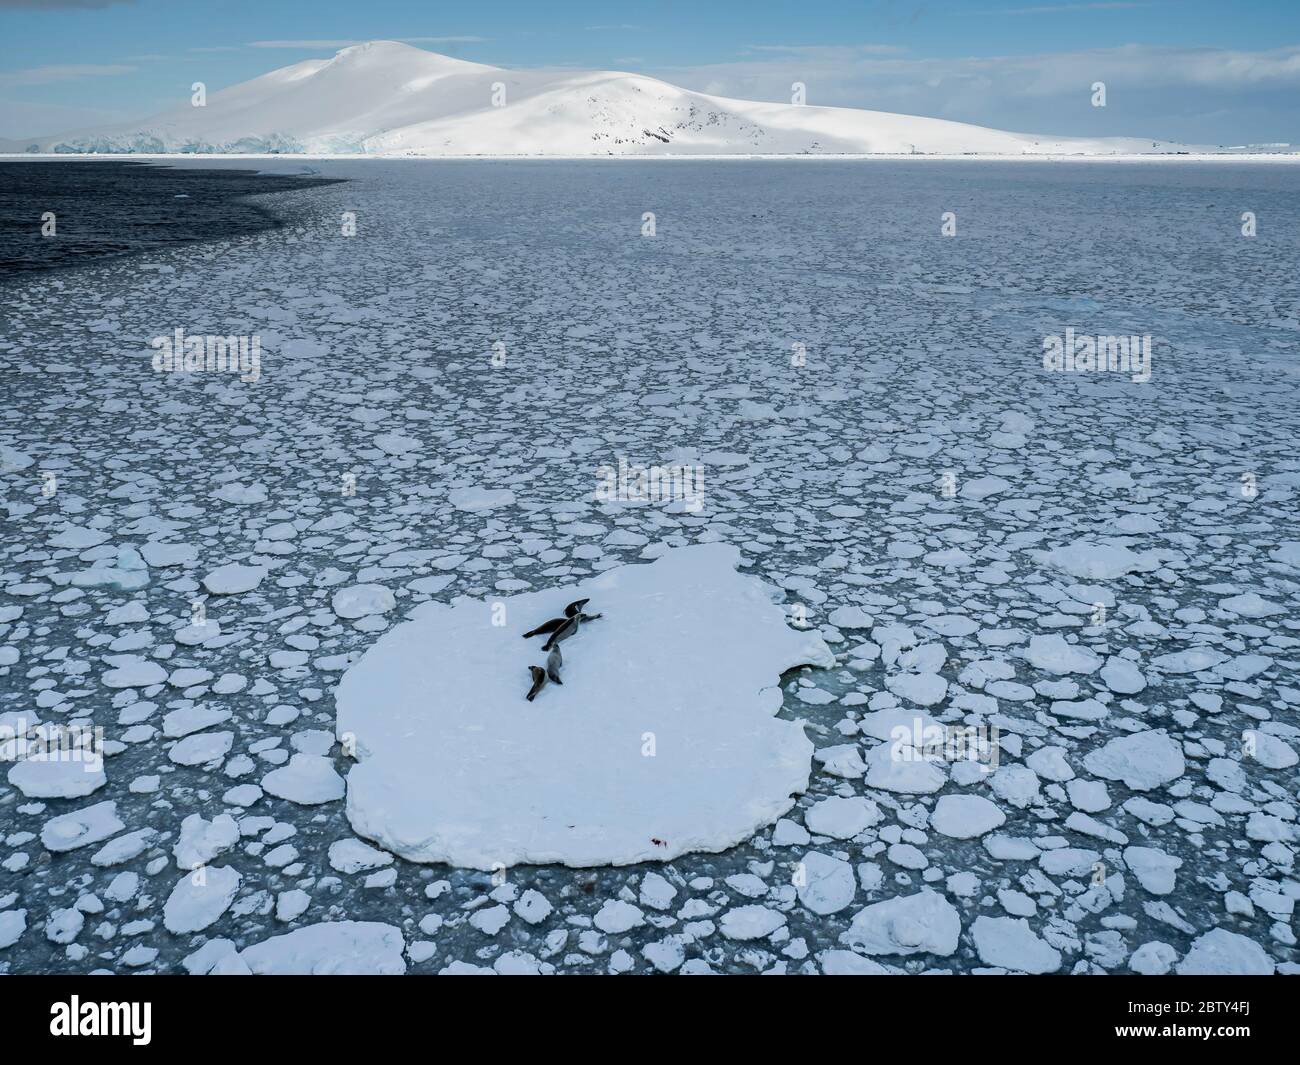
[[661, 740]]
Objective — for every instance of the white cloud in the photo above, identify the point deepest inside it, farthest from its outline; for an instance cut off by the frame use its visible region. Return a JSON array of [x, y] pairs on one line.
[[864, 77], [1152, 91], [314, 44], [62, 3], [49, 75], [442, 40], [827, 51], [1056, 9], [18, 118]]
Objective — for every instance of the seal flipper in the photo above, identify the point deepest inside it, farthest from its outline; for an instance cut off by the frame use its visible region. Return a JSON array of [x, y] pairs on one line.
[[545, 627]]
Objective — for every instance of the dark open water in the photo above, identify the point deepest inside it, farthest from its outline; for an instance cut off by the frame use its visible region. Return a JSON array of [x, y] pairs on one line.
[[105, 209]]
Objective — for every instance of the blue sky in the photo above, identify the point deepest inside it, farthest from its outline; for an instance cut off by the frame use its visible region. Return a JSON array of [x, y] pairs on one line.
[[1200, 71]]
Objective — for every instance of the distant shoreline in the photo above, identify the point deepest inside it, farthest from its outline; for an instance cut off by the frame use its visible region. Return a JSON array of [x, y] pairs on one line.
[[1143, 157]]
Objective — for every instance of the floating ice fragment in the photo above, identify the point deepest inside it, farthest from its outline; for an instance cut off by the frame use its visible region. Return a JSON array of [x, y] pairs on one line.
[[479, 499], [362, 600], [331, 948], [232, 579], [1143, 760], [1009, 943], [1223, 953], [924, 923]]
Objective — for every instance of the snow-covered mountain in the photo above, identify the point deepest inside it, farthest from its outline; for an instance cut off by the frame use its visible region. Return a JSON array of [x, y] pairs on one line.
[[386, 98]]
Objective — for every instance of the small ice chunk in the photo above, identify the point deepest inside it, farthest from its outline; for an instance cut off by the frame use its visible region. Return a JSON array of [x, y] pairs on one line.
[[841, 818], [825, 884], [353, 856], [200, 898], [362, 600], [1154, 868], [308, 779], [331, 948], [1054, 654], [1009, 943], [54, 776], [1142, 760], [476, 500], [81, 828], [1222, 953], [751, 922], [965, 816], [616, 917], [924, 923], [232, 579]]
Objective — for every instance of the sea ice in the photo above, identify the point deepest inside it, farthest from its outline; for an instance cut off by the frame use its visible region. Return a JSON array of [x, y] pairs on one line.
[[1154, 868], [81, 828], [1222, 953], [13, 923], [1094, 562], [232, 579], [200, 898], [480, 499], [662, 739], [331, 948], [841, 818], [1009, 943], [923, 923], [362, 600], [827, 884], [751, 922], [1053, 654], [49, 777], [965, 816], [1143, 761], [308, 779]]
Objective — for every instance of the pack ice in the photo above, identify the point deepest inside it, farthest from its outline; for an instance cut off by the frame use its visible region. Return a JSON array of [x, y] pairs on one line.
[[661, 740]]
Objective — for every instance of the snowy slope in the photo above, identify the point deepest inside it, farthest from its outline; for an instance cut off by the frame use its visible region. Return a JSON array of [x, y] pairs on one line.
[[392, 99]]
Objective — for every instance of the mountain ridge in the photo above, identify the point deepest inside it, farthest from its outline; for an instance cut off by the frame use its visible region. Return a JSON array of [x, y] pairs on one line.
[[392, 99]]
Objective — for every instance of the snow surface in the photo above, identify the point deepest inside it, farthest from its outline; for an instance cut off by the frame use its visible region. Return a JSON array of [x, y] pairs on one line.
[[455, 766], [388, 98]]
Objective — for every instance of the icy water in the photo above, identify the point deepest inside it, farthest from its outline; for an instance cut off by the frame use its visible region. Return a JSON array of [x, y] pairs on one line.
[[1106, 571], [106, 209]]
